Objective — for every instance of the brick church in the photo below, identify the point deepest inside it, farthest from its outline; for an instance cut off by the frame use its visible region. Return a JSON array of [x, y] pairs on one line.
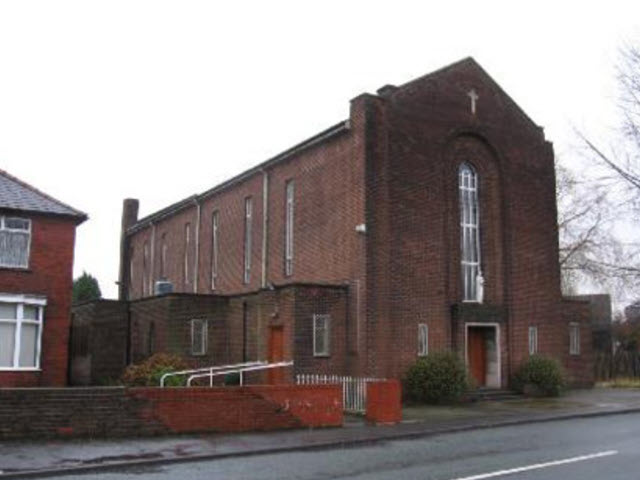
[[426, 221]]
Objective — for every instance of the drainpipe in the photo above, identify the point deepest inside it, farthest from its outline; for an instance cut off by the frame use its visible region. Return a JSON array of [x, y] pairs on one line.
[[197, 254], [265, 226]]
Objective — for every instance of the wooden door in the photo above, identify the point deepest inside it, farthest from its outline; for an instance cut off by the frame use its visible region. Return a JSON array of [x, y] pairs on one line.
[[276, 354], [477, 355]]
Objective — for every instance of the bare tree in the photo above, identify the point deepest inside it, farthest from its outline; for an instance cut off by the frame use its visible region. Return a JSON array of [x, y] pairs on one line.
[[590, 251], [591, 209], [621, 161]]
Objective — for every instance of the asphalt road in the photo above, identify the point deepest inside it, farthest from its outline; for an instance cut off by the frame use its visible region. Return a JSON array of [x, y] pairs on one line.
[[594, 448]]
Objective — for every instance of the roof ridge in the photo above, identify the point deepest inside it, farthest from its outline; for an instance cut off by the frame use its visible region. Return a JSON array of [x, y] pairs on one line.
[[26, 185], [286, 154], [473, 61], [468, 59]]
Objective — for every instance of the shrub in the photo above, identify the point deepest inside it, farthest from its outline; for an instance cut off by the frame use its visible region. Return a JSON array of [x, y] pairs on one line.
[[540, 376], [438, 378], [149, 372]]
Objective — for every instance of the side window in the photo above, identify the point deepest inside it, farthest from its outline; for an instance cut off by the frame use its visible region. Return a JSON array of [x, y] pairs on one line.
[[187, 246], [288, 231], [199, 329], [163, 257], [574, 339], [321, 326], [423, 339], [533, 340], [145, 267], [215, 241], [248, 223]]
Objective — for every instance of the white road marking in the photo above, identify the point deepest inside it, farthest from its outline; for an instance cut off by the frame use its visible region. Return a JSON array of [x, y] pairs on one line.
[[538, 466]]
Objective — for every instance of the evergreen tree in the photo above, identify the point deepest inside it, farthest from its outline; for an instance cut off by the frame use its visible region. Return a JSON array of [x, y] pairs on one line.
[[85, 288]]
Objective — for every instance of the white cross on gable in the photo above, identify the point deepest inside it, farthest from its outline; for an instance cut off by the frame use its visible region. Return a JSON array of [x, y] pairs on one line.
[[474, 98]]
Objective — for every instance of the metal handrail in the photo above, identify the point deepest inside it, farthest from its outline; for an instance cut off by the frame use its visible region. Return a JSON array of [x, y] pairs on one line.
[[209, 369], [253, 368]]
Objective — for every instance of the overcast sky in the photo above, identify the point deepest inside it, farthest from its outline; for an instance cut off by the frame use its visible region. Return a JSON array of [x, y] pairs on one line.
[[158, 100]]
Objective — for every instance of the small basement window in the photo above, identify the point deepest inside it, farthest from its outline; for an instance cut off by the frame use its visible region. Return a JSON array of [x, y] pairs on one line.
[[199, 329]]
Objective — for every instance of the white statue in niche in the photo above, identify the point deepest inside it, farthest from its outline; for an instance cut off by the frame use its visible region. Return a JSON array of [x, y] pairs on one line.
[[479, 287]]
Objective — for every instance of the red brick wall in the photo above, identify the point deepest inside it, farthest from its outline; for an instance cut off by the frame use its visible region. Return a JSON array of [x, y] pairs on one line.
[[580, 368], [328, 206], [49, 274], [419, 135], [114, 412], [236, 409], [396, 170], [384, 402], [310, 301]]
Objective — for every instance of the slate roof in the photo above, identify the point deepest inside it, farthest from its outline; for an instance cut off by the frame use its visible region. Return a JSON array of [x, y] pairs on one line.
[[18, 195]]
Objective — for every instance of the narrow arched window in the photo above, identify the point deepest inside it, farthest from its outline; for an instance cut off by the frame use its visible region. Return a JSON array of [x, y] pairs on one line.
[[469, 233]]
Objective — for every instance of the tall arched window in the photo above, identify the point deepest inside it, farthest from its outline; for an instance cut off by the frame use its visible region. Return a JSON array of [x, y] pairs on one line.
[[469, 233]]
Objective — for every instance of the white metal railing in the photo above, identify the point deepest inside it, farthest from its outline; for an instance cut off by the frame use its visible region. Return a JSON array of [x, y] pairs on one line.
[[354, 389], [239, 370], [208, 370]]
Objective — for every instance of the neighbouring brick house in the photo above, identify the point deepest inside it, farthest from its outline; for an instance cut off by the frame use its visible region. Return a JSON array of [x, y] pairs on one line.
[[426, 221], [37, 237]]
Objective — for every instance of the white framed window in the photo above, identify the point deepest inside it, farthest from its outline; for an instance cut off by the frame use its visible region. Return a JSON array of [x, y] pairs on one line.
[[15, 242], [248, 222], [533, 340], [574, 339], [469, 232], [321, 327], [423, 339], [21, 320], [187, 245], [288, 231], [215, 219], [199, 334]]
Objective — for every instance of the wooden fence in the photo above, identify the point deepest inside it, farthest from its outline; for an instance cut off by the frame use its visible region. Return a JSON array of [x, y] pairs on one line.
[[621, 364]]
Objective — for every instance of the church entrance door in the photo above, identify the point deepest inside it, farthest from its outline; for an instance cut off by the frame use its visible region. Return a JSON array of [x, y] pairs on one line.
[[483, 356]]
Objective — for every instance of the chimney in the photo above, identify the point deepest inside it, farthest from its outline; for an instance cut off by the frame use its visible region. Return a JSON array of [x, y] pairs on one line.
[[129, 218]]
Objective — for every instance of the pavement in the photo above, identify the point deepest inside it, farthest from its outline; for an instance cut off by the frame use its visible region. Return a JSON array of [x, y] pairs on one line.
[[595, 448], [33, 459]]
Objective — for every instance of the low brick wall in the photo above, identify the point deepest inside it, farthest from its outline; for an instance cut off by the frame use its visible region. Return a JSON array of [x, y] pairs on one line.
[[237, 409], [384, 402], [113, 412]]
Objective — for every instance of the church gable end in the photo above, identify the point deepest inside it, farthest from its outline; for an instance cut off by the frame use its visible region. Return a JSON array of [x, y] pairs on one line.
[[462, 93]]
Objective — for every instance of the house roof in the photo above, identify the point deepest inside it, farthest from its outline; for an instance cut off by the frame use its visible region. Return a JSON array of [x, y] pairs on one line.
[[18, 195]]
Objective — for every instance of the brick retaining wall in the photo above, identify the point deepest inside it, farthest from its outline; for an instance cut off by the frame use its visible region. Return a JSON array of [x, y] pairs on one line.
[[114, 412]]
